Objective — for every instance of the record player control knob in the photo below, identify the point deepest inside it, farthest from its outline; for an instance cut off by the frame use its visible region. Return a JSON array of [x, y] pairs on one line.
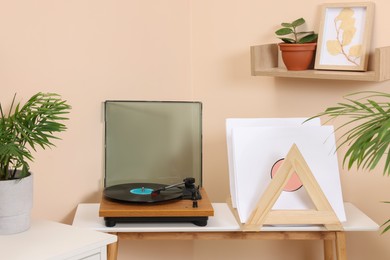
[[189, 182]]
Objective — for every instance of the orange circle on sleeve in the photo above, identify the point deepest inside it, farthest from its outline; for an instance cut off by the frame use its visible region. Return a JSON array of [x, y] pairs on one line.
[[293, 184]]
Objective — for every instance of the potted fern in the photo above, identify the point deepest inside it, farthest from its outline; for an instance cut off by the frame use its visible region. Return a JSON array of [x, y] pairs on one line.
[[298, 47], [367, 131], [24, 128]]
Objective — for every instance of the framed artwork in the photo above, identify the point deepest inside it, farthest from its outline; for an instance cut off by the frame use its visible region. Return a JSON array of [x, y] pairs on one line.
[[344, 36]]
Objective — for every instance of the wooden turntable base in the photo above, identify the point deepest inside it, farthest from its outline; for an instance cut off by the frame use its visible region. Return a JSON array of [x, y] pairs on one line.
[[170, 211]]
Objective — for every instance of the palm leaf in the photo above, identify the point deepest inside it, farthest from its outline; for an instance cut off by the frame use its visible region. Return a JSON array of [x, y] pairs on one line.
[[367, 128], [29, 126], [386, 228]]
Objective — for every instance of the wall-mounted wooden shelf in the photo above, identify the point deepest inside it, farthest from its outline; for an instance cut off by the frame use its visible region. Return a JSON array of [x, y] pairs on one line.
[[265, 62]]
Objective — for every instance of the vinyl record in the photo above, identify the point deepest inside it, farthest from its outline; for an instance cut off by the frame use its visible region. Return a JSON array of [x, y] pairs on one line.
[[141, 192]]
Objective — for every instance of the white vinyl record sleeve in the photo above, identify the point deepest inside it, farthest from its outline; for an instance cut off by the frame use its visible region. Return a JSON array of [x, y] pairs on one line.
[[255, 151], [250, 122]]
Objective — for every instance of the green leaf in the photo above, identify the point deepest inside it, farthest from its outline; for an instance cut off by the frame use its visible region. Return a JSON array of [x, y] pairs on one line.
[[287, 40], [287, 25], [377, 106], [298, 22], [297, 37], [308, 38], [284, 31], [27, 127], [386, 169], [388, 226], [367, 128]]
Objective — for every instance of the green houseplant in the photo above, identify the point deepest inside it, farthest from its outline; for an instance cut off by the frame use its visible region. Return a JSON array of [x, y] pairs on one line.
[[24, 128], [366, 131], [298, 47]]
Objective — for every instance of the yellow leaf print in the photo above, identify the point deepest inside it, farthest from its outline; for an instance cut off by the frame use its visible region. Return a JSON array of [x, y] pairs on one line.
[[347, 24], [345, 32], [348, 36], [355, 51], [333, 47], [345, 14]]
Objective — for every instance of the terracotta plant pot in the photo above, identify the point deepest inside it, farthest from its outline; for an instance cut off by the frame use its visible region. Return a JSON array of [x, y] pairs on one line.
[[297, 56]]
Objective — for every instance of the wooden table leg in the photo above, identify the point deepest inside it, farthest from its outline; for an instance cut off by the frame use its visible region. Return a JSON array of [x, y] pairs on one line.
[[341, 246], [328, 249], [112, 249]]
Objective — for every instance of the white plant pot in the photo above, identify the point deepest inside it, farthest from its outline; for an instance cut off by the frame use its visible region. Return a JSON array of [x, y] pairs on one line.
[[16, 198]]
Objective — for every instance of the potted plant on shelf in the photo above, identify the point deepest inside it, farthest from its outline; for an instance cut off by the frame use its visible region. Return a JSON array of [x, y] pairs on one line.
[[298, 49], [367, 131], [24, 128]]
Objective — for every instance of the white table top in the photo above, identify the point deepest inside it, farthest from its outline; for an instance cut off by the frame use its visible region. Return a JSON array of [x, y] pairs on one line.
[[51, 240], [87, 216]]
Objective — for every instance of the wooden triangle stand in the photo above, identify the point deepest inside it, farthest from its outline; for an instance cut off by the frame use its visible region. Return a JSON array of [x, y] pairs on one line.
[[322, 215]]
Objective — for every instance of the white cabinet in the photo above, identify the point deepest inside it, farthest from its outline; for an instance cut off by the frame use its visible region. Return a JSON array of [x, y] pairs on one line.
[[47, 240]]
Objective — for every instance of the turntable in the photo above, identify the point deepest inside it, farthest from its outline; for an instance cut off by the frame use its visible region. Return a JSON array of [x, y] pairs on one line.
[[153, 158], [150, 202]]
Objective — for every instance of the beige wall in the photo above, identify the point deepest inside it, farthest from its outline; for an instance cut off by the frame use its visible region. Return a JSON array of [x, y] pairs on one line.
[[93, 50]]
